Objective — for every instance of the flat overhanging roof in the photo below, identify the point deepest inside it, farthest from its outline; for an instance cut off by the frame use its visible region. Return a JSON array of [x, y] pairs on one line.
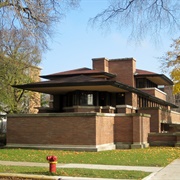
[[62, 87], [159, 79], [78, 72]]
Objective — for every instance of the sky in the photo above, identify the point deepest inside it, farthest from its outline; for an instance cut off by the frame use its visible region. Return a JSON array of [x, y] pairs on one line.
[[76, 42]]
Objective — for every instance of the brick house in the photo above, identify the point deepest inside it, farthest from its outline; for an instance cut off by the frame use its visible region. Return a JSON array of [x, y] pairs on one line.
[[113, 105]]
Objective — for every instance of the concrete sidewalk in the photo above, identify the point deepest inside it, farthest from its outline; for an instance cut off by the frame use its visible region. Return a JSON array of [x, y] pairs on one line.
[[84, 166], [170, 172]]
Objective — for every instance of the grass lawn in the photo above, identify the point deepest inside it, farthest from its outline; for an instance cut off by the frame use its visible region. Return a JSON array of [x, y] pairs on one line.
[[76, 172], [154, 156]]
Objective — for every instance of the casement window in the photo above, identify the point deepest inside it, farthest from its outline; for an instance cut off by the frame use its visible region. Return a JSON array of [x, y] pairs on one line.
[[144, 83], [86, 98], [120, 98]]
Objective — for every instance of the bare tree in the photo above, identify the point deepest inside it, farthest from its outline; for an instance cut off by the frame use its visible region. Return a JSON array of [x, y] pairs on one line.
[[38, 17], [141, 16], [19, 58]]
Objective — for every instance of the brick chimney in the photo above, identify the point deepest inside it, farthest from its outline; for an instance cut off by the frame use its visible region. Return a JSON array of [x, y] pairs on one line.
[[124, 69], [101, 64]]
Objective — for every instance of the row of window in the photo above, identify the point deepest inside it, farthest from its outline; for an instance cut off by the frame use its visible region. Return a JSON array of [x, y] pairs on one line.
[[144, 83], [92, 98], [143, 102], [88, 98]]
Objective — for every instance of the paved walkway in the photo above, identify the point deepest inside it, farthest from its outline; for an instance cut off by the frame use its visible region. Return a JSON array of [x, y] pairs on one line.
[[170, 172]]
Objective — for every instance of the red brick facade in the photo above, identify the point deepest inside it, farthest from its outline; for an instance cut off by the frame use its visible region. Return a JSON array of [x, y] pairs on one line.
[[164, 139], [82, 131], [113, 105]]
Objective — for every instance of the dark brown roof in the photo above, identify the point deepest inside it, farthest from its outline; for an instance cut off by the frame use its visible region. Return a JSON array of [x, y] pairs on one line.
[[74, 79], [159, 79], [80, 71], [143, 72], [71, 72], [69, 84], [64, 80], [87, 83]]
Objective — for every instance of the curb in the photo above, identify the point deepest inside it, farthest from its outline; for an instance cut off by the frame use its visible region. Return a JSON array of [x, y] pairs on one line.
[[43, 177], [27, 176]]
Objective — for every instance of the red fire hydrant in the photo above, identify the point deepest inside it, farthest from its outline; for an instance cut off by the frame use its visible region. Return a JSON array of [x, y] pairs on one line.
[[52, 163]]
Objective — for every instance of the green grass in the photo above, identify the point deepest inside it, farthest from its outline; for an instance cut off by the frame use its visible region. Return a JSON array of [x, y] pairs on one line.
[[76, 172], [156, 156]]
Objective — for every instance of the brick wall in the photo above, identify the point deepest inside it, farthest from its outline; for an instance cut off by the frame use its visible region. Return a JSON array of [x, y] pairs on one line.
[[155, 124], [61, 129], [143, 126], [131, 129], [141, 130], [175, 117], [162, 139], [155, 92], [104, 130], [125, 109], [123, 129], [159, 116], [74, 130]]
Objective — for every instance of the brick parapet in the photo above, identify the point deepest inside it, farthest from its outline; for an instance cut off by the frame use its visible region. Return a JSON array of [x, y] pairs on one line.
[[131, 130], [62, 130], [162, 139], [160, 115], [155, 124], [155, 92]]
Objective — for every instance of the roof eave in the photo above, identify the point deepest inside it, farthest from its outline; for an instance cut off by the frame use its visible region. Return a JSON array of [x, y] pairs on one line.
[[146, 95], [66, 75], [165, 78], [112, 83]]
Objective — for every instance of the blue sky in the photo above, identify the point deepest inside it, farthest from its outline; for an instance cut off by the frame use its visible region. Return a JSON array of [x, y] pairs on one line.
[[76, 43]]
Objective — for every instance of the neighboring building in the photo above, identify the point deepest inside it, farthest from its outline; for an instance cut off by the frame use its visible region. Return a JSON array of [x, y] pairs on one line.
[[113, 105], [172, 98], [32, 101], [35, 99]]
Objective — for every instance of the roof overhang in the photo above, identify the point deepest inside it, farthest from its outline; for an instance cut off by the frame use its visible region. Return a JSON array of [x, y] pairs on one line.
[[62, 88], [159, 79], [53, 87], [89, 72]]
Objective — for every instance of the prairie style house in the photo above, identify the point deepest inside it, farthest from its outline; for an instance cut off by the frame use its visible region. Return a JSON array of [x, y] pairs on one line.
[[113, 105]]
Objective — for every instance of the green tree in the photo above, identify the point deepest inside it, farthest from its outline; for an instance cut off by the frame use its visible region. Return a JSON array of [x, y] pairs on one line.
[[18, 60], [141, 17], [171, 64], [37, 17]]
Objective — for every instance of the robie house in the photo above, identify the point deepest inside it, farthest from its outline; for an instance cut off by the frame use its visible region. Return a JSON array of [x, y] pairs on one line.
[[113, 105]]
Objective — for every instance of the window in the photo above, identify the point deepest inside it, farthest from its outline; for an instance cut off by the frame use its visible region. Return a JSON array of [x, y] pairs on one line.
[[86, 98], [140, 83], [90, 99], [144, 83], [120, 98]]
